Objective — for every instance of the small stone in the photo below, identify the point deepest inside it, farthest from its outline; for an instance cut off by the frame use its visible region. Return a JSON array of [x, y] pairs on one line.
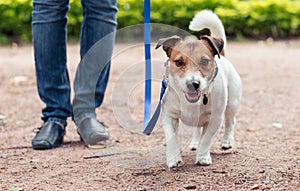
[[2, 117], [190, 187], [262, 171], [19, 80], [141, 189], [277, 125]]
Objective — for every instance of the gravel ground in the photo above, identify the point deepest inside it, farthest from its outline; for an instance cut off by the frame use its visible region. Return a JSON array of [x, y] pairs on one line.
[[265, 156]]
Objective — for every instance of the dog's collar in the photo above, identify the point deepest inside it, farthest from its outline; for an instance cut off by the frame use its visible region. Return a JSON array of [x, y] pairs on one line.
[[167, 66], [204, 92], [216, 71]]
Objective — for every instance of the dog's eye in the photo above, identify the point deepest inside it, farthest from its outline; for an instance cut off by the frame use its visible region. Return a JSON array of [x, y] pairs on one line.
[[204, 62], [179, 63]]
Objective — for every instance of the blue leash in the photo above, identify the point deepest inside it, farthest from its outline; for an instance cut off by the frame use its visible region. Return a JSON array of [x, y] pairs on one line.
[[147, 45], [149, 123]]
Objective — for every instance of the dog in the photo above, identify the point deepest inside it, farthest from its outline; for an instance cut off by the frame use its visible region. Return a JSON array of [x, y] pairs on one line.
[[203, 89]]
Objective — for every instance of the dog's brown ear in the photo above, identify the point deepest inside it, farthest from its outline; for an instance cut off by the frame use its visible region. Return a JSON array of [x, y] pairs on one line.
[[214, 44], [168, 43]]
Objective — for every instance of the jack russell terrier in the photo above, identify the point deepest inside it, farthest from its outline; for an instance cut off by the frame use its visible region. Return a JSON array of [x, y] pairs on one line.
[[203, 88]]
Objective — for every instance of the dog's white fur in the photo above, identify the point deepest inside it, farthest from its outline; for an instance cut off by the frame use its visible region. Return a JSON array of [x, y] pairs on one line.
[[224, 97]]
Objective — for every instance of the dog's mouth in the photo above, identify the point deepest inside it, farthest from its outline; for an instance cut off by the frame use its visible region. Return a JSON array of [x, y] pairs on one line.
[[192, 97]]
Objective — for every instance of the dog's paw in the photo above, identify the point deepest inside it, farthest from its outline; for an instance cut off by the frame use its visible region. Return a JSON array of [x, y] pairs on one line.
[[173, 163], [204, 160], [227, 143]]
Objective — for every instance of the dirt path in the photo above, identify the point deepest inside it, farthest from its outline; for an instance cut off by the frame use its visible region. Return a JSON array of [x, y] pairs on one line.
[[266, 155]]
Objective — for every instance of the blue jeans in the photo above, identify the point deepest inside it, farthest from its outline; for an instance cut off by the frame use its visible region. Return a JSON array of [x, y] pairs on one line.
[[49, 22]]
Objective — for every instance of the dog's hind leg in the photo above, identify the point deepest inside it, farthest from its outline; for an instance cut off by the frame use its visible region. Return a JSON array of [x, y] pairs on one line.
[[234, 99], [196, 138], [228, 138], [230, 122]]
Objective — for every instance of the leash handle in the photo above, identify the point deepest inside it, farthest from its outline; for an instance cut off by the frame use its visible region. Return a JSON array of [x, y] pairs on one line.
[[147, 46]]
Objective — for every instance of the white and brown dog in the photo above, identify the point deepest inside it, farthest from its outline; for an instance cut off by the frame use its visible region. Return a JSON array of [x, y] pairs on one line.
[[203, 88]]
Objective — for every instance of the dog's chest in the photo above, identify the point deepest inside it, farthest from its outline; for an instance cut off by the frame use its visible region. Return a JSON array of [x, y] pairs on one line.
[[195, 114]]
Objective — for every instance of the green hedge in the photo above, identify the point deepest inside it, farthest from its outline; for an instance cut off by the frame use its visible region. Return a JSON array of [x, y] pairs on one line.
[[241, 18], [252, 18], [15, 18]]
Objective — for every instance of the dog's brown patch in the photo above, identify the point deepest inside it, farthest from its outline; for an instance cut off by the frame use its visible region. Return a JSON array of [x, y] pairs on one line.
[[215, 45], [194, 56]]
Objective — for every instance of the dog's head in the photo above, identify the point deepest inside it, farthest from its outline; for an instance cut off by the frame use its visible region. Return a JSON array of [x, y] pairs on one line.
[[191, 63]]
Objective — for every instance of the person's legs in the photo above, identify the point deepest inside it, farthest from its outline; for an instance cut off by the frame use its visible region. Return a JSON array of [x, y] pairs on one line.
[[98, 30], [49, 40], [96, 26]]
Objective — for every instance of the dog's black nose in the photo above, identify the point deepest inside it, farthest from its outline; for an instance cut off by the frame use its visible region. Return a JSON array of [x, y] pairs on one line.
[[193, 85]]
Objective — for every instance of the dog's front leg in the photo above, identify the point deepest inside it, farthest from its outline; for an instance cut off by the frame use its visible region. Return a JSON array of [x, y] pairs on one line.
[[209, 131], [170, 126]]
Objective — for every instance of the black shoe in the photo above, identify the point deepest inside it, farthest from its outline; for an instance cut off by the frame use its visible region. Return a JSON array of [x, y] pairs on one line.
[[92, 132], [49, 136]]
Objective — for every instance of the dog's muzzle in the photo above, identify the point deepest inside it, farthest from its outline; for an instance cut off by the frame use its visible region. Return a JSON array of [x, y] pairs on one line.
[[193, 93]]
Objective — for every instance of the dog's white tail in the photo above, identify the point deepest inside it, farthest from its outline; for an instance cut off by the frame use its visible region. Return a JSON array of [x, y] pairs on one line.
[[208, 19]]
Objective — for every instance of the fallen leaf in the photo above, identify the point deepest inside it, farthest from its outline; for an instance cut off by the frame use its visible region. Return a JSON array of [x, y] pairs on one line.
[[16, 189], [252, 129], [3, 170], [254, 187]]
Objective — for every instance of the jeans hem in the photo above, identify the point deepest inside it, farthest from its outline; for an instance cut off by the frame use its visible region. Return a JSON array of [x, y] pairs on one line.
[[57, 120]]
